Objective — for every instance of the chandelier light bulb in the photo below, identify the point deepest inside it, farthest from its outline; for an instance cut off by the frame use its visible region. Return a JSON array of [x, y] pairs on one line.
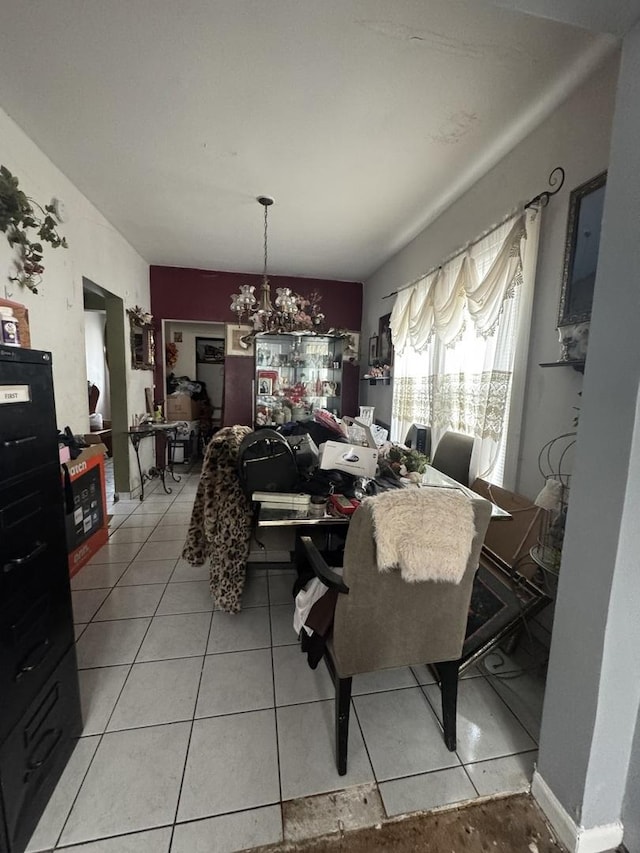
[[286, 301], [244, 301]]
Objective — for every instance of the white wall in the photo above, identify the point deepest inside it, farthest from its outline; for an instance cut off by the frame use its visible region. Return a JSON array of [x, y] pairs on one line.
[[97, 251], [587, 747], [576, 136]]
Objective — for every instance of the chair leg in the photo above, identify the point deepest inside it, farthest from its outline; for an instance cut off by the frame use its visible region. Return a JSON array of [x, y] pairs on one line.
[[448, 673], [343, 705]]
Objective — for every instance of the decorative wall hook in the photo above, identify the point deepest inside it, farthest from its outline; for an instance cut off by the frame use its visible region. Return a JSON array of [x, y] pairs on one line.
[[542, 199]]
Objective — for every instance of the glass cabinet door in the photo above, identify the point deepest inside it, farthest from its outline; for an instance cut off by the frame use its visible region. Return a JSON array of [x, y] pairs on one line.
[[296, 374]]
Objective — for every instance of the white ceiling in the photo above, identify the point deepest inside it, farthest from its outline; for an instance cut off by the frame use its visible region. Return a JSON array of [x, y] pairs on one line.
[[363, 118]]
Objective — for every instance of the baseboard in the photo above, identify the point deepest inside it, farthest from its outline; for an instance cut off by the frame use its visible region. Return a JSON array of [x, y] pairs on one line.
[[577, 839]]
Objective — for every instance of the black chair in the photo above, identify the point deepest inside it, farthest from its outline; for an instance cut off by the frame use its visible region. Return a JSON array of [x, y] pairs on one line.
[[453, 456]]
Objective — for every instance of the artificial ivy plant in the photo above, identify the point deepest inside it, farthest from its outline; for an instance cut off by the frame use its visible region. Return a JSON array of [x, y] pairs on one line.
[[17, 218]]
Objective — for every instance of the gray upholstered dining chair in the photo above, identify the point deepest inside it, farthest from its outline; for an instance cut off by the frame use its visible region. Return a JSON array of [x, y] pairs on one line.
[[453, 456], [382, 621]]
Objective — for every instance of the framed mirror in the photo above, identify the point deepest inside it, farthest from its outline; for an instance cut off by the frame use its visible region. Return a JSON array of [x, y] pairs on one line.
[[142, 344], [581, 251]]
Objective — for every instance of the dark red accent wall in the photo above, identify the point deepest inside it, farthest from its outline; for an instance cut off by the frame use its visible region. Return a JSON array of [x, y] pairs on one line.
[[180, 293]]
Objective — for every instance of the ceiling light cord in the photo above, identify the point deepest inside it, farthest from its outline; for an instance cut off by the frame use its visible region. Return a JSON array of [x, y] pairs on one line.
[[291, 311], [264, 272]]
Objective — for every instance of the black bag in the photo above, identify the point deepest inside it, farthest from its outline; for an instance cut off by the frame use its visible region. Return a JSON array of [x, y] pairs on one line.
[[75, 443], [266, 463], [323, 482], [305, 452]]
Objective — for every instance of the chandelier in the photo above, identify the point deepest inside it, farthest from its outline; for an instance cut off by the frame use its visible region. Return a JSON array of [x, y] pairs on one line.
[[291, 312]]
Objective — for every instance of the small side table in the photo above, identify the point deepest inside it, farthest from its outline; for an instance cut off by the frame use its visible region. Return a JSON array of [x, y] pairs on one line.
[[162, 434]]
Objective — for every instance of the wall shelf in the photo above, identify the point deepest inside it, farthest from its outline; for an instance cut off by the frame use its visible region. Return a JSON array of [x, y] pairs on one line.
[[377, 380], [577, 364]]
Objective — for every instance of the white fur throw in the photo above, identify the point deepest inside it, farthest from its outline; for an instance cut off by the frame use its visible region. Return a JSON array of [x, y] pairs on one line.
[[425, 532]]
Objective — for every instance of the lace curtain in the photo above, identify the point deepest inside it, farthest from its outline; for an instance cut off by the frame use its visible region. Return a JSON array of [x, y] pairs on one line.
[[459, 334]]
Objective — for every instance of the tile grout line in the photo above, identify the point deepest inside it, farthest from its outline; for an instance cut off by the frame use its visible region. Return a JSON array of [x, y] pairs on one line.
[[468, 775], [100, 737], [489, 681], [77, 794], [275, 710], [193, 720], [366, 748], [69, 847]]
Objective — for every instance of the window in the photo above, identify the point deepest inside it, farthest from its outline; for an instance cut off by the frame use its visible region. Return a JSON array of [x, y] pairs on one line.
[[461, 337]]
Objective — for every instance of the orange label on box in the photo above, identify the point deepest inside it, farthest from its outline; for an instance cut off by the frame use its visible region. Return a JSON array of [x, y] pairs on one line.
[[86, 518]]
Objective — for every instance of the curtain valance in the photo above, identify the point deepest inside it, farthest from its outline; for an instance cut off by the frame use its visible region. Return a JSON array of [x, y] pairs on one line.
[[435, 304]]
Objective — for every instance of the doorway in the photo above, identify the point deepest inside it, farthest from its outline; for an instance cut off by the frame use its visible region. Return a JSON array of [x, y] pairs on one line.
[[195, 354], [210, 374], [107, 381]]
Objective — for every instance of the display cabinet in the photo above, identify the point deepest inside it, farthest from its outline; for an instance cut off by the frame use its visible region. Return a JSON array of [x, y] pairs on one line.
[[296, 374]]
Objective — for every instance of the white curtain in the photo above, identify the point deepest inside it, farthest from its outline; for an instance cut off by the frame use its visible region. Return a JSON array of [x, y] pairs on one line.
[[457, 334]]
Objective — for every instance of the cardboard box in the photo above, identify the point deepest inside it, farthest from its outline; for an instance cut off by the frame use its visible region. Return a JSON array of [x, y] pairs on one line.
[[85, 505], [22, 316], [181, 407], [93, 437], [100, 436], [511, 539]]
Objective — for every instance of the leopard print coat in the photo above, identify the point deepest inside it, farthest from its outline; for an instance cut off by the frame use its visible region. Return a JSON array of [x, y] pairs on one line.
[[220, 528]]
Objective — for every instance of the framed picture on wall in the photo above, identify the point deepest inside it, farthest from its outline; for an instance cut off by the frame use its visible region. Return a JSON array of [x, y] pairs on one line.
[[373, 348], [209, 350], [385, 347], [237, 342]]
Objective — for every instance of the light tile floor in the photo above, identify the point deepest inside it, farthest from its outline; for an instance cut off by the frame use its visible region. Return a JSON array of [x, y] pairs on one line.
[[200, 724]]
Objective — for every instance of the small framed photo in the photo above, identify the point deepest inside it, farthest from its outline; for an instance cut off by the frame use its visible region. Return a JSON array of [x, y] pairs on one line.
[[177, 337], [373, 348], [265, 386], [237, 342]]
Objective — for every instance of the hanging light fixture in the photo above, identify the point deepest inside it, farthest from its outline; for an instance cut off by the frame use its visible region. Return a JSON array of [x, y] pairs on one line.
[[291, 311]]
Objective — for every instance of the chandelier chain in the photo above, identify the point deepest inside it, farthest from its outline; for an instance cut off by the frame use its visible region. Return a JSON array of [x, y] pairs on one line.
[[289, 312], [264, 273]]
